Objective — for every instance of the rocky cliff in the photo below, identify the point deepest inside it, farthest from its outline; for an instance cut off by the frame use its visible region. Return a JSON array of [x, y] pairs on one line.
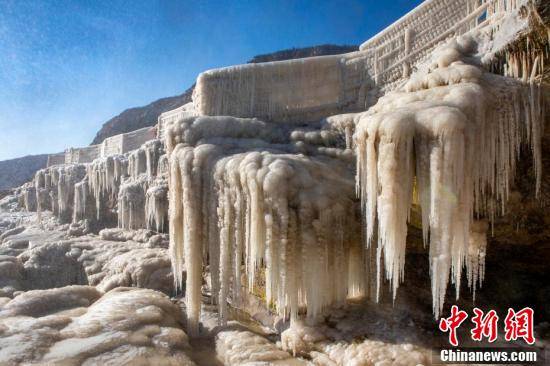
[[293, 53], [18, 171], [135, 118]]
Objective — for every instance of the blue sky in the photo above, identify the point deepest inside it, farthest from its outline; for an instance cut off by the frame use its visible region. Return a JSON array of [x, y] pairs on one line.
[[68, 66]]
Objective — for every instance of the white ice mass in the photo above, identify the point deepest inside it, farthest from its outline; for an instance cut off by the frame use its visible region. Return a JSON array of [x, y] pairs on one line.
[[292, 182]]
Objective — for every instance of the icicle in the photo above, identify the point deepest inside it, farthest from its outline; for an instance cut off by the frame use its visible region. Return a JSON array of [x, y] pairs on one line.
[[104, 178], [81, 201], [467, 127], [131, 204], [55, 188], [156, 206], [137, 163], [176, 220], [386, 177], [475, 264], [266, 205]]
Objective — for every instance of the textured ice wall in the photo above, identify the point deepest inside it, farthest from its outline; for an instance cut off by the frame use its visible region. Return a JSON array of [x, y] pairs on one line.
[[112, 146], [56, 159], [186, 110], [125, 142], [293, 90], [394, 51], [134, 139], [104, 176], [115, 145], [82, 154], [55, 187]]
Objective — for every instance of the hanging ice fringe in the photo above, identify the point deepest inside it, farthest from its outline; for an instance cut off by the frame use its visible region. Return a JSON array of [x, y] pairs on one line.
[[238, 186], [454, 132], [55, 189]]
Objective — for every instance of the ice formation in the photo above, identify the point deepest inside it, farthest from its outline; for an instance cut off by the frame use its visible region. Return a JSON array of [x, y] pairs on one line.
[[108, 190], [105, 176], [145, 160], [426, 139], [241, 347], [29, 197], [299, 208], [131, 203], [55, 189], [239, 187], [156, 206], [120, 182], [78, 325], [253, 199], [84, 203]]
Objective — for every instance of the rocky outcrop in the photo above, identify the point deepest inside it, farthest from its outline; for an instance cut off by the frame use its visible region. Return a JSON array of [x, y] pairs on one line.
[[293, 53], [139, 117], [15, 172]]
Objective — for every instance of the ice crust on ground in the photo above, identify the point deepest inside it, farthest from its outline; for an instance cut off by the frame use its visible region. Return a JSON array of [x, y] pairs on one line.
[[35, 258], [243, 347], [78, 325], [370, 352]]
